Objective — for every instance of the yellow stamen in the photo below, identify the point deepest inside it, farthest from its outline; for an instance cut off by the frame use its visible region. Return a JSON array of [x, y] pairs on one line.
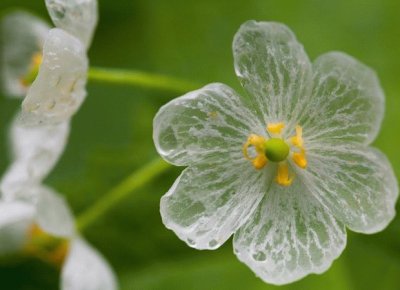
[[297, 140], [37, 59], [260, 161], [277, 149], [283, 177], [258, 142], [300, 159], [46, 247], [33, 70], [275, 128]]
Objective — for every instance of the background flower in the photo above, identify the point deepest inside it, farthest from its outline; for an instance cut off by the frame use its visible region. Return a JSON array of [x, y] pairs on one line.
[[22, 37], [21, 223]]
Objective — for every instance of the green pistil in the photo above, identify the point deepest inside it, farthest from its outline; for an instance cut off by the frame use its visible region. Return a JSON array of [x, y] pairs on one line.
[[276, 150]]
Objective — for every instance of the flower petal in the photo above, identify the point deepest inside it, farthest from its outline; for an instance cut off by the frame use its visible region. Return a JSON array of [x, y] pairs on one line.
[[59, 89], [86, 269], [203, 123], [274, 69], [290, 236], [210, 201], [356, 183], [53, 213], [78, 17], [15, 220], [347, 103], [23, 36], [33, 158]]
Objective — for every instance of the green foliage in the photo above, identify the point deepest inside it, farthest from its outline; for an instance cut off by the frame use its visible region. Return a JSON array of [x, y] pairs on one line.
[[111, 135]]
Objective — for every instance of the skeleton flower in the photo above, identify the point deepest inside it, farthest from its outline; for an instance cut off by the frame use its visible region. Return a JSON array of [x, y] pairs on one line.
[[54, 80], [284, 169], [45, 228], [33, 218]]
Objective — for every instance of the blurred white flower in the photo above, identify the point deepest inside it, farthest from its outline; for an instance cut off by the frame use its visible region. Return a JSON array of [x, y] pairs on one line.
[[35, 151], [22, 36], [33, 218], [77, 17], [54, 83], [45, 228], [285, 169], [53, 80]]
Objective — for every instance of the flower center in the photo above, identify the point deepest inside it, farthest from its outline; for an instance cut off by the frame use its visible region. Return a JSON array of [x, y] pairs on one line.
[[276, 149], [33, 70], [48, 248]]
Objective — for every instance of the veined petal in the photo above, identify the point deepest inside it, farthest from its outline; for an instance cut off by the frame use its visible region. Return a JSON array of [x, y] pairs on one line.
[[274, 69], [78, 17], [203, 123], [15, 219], [53, 213], [35, 152], [210, 201], [22, 36], [289, 236], [347, 103], [86, 269], [356, 183], [59, 88]]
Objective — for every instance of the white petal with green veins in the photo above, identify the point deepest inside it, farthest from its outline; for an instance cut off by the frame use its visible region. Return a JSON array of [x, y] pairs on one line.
[[274, 69], [204, 123], [210, 201], [347, 103], [289, 236], [356, 183]]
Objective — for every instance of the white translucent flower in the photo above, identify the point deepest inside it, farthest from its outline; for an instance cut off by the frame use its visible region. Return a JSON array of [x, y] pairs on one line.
[[22, 37], [35, 151], [284, 169], [45, 228], [54, 79], [78, 17], [59, 88]]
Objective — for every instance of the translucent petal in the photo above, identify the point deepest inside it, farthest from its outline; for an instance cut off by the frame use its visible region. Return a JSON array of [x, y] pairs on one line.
[[53, 213], [356, 183], [78, 17], [203, 123], [274, 69], [86, 269], [59, 89], [15, 219], [35, 152], [347, 102], [22, 36], [210, 201], [290, 236]]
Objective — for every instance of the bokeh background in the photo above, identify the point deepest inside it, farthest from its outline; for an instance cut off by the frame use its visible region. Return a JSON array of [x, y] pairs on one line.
[[111, 135]]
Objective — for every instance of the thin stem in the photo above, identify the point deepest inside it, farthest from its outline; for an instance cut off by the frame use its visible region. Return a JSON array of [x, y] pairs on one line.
[[141, 79], [121, 191]]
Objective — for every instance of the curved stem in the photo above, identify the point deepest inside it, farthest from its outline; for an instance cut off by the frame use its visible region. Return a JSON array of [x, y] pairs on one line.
[[121, 191], [140, 79]]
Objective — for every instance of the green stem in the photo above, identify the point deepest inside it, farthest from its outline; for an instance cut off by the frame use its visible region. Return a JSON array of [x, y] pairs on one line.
[[121, 191], [141, 79]]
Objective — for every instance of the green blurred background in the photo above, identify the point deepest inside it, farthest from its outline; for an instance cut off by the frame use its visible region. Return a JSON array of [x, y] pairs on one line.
[[111, 135]]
